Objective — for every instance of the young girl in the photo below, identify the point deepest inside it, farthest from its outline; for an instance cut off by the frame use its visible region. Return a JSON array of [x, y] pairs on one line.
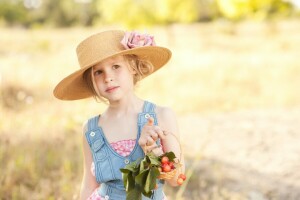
[[112, 62]]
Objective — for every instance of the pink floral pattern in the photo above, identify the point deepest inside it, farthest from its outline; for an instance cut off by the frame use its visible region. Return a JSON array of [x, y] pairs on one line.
[[122, 147], [134, 39], [96, 196]]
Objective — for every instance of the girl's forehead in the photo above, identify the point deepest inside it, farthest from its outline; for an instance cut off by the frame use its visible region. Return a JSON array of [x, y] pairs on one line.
[[110, 61]]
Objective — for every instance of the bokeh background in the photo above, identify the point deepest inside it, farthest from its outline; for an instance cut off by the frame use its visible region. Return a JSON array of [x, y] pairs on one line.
[[233, 82]]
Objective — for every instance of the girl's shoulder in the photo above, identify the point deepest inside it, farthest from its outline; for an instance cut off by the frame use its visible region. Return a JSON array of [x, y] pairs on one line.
[[167, 120], [164, 111], [85, 127], [90, 123], [166, 116]]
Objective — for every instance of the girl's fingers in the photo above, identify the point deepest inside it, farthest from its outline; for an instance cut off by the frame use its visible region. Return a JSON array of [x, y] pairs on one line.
[[154, 147], [153, 134], [150, 141], [149, 148], [160, 133], [150, 121], [142, 141], [166, 133]]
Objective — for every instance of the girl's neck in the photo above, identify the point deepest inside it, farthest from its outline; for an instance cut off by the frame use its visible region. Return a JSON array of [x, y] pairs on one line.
[[125, 106]]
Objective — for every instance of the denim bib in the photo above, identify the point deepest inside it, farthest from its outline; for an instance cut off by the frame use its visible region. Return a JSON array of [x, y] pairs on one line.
[[108, 162]]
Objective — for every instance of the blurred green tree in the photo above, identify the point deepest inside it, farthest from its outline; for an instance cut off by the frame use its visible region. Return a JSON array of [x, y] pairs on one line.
[[56, 13], [147, 12], [133, 13], [69, 12], [12, 12], [254, 9]]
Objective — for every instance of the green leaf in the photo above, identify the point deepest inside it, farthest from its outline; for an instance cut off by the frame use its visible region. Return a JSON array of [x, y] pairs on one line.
[[141, 178], [135, 194], [130, 184], [149, 194], [125, 179], [151, 154], [123, 170], [143, 165], [133, 166], [170, 155], [151, 179], [154, 160]]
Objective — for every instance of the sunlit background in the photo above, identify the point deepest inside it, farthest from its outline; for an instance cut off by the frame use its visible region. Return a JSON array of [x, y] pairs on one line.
[[233, 82]]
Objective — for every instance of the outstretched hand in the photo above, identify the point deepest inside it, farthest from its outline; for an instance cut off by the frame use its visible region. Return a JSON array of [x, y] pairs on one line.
[[150, 134]]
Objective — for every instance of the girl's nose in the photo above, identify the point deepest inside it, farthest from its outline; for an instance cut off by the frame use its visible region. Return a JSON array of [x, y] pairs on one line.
[[108, 78]]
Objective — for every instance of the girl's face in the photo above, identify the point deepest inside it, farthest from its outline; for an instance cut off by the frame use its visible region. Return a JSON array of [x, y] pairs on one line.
[[113, 78]]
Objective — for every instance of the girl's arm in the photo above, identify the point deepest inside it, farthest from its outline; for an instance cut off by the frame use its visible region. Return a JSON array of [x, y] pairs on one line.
[[167, 122], [89, 183]]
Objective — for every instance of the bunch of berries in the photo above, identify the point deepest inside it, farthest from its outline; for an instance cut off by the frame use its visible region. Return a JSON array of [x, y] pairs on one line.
[[181, 178], [168, 166]]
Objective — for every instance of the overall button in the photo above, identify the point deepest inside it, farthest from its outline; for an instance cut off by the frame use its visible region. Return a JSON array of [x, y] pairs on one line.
[[92, 134], [147, 115], [126, 161], [106, 197]]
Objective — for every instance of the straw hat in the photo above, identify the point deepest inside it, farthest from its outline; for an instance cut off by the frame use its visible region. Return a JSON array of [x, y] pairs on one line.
[[95, 49]]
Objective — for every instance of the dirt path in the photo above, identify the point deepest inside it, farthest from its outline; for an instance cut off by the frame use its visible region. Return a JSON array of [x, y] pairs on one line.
[[244, 155]]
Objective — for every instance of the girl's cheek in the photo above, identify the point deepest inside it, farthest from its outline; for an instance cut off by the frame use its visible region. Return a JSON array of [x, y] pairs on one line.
[[97, 78], [98, 87]]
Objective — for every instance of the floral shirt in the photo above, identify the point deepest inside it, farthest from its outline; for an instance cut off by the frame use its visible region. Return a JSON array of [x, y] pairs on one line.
[[122, 147]]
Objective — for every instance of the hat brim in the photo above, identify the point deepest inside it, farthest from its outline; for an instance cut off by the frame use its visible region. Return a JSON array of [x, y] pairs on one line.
[[74, 87]]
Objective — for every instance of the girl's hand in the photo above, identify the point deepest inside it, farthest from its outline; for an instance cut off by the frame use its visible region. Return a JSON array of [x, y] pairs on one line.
[[149, 136]]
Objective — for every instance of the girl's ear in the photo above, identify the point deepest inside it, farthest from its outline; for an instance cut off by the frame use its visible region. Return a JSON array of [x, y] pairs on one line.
[[133, 71], [131, 65]]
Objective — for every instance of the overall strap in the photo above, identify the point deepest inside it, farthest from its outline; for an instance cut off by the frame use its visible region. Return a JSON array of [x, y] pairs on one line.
[[93, 123], [148, 107], [148, 111], [92, 133]]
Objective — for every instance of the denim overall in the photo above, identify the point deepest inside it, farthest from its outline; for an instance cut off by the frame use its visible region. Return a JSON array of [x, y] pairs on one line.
[[108, 162]]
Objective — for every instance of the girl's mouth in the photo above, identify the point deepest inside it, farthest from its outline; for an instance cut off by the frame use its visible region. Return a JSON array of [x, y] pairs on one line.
[[111, 89]]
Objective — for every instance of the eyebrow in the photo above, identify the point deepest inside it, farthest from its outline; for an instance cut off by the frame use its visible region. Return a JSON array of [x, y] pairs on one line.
[[94, 68], [113, 63]]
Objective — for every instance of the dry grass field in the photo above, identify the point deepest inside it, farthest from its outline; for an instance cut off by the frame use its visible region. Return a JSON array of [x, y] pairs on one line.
[[234, 87]]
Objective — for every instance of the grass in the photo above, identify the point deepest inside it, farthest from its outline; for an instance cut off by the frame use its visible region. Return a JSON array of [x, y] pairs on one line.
[[216, 68]]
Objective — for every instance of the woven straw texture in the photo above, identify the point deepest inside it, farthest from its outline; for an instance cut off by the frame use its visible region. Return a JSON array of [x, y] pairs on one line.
[[95, 49]]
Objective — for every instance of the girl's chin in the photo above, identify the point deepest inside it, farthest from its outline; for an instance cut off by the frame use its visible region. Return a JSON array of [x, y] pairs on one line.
[[112, 99]]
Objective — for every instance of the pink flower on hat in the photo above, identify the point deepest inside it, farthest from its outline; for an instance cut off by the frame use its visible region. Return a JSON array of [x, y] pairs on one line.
[[134, 39]]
